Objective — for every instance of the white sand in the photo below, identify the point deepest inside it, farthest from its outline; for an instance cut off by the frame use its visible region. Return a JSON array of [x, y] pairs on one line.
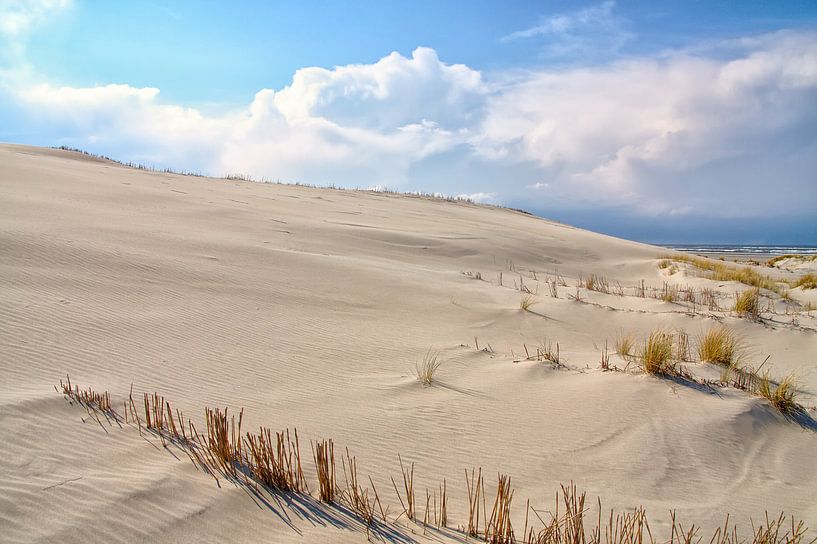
[[309, 308]]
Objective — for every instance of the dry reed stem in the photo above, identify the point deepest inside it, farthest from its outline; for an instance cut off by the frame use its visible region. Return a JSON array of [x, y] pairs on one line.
[[408, 486], [323, 454]]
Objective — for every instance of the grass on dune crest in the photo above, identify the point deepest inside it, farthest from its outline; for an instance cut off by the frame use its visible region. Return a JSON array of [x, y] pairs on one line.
[[781, 395], [808, 281], [774, 260], [722, 271]]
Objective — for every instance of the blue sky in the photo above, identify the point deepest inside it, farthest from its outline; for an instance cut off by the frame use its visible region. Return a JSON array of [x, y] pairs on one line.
[[674, 121]]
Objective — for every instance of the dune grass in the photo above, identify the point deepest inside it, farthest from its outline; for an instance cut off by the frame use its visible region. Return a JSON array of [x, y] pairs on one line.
[[774, 260], [426, 368], [255, 460], [526, 302], [655, 353], [747, 303], [323, 454], [781, 395], [625, 345], [808, 281], [720, 345], [721, 271]]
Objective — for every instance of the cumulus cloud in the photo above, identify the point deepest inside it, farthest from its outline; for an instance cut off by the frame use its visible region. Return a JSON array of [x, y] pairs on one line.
[[680, 134], [721, 136]]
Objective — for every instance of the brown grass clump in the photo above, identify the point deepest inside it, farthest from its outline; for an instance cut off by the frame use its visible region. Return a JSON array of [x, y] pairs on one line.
[[594, 282], [276, 464], [87, 397], [656, 353], [720, 345], [224, 439], [526, 302], [323, 453], [547, 352], [782, 396], [475, 487], [426, 368], [499, 529], [808, 281], [747, 303], [625, 345]]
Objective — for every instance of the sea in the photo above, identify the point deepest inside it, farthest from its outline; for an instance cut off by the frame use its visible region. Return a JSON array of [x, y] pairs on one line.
[[743, 249]]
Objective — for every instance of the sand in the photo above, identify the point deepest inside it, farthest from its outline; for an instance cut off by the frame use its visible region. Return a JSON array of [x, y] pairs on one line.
[[309, 308]]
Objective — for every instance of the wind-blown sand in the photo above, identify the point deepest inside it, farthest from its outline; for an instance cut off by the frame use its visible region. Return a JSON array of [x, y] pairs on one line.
[[308, 308]]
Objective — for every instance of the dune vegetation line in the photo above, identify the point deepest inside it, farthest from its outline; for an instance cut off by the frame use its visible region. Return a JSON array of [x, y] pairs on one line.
[[271, 461]]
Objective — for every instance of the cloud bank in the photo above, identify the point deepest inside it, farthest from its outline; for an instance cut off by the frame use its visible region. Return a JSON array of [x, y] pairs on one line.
[[681, 134]]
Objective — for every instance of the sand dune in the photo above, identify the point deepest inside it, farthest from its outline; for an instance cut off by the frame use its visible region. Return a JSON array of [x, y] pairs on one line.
[[309, 308]]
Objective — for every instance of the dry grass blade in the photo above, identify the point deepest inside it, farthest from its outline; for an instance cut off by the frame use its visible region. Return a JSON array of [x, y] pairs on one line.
[[625, 345], [324, 456], [526, 302], [408, 486], [499, 529], [782, 396], [277, 465], [656, 353], [747, 303], [720, 345], [475, 487], [426, 368]]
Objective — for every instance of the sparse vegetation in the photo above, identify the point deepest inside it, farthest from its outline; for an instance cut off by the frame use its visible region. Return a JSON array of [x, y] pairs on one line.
[[625, 345], [774, 260], [323, 453], [747, 303], [526, 302], [426, 368], [807, 281], [720, 345], [547, 352], [257, 459], [721, 271], [656, 353], [782, 395], [408, 486]]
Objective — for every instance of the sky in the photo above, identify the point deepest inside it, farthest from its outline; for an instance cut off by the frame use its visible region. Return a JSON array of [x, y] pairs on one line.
[[689, 121]]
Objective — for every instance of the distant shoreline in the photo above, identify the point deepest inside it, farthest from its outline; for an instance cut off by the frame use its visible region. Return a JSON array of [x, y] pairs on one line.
[[742, 251]]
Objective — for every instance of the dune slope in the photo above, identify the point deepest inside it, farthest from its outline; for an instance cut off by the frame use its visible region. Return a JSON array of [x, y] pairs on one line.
[[309, 308]]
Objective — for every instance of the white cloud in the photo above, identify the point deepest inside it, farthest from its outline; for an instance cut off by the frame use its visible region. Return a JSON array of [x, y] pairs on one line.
[[682, 134], [589, 31], [723, 135], [17, 17]]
